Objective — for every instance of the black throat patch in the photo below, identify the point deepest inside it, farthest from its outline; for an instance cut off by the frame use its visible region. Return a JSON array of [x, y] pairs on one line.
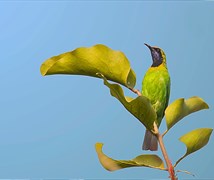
[[156, 57], [156, 63]]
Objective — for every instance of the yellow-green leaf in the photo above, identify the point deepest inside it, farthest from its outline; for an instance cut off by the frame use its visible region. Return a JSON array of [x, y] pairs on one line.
[[195, 140], [91, 60], [147, 160], [140, 107], [181, 108]]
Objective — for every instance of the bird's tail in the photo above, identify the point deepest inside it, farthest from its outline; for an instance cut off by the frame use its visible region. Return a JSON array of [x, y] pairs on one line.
[[150, 141]]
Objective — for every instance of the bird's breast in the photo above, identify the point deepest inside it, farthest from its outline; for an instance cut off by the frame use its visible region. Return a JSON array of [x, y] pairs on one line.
[[155, 86]]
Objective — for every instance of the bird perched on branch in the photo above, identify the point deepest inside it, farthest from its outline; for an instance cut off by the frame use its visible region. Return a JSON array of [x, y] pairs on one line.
[[156, 87]]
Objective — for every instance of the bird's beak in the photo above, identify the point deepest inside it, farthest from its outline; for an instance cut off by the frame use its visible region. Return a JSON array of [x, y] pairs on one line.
[[150, 47]]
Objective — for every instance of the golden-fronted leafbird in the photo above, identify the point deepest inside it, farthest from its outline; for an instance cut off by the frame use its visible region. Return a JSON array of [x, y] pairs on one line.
[[156, 87]]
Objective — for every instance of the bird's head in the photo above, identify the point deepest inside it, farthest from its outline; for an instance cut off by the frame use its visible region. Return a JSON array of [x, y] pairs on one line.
[[158, 55]]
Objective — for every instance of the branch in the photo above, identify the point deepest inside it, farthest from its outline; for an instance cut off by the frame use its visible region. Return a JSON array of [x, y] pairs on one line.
[[187, 172], [165, 155], [136, 91], [164, 133]]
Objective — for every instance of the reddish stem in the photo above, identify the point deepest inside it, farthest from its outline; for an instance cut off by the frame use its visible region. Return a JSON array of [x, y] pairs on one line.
[[136, 91], [170, 167]]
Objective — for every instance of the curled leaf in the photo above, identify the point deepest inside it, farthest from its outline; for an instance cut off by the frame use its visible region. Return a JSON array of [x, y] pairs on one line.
[[147, 160], [195, 140], [140, 107], [91, 60], [181, 108]]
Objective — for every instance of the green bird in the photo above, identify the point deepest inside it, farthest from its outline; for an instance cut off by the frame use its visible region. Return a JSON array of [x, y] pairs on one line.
[[156, 87]]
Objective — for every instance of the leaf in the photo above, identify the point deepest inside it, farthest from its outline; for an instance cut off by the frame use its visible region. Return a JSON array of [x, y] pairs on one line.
[[181, 108], [91, 60], [147, 160], [195, 140], [140, 107]]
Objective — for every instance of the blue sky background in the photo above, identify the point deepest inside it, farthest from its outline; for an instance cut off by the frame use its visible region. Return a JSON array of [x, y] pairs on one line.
[[49, 125]]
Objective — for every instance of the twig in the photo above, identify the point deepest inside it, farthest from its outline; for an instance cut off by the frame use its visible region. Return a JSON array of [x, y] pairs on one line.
[[136, 91], [187, 172], [165, 155], [164, 133]]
